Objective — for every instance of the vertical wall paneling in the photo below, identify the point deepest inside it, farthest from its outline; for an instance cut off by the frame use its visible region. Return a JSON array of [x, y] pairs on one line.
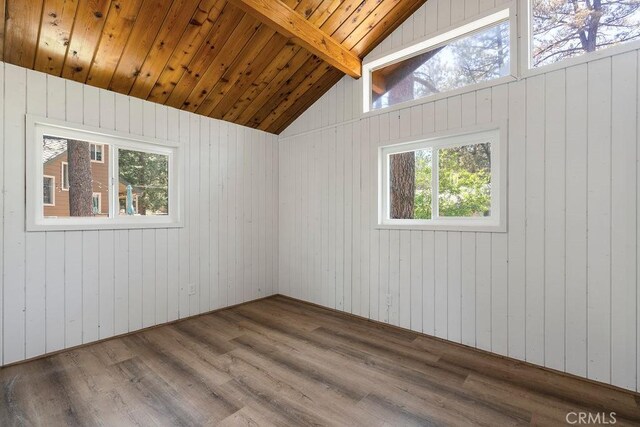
[[441, 283], [499, 250], [371, 213], [599, 221], [623, 220], [246, 191], [184, 232], [516, 222], [239, 217], [90, 240], [204, 218], [106, 239], [367, 184], [330, 289], [323, 194], [73, 296], [356, 279], [340, 203], [121, 241], [223, 262], [193, 212], [535, 161], [559, 287], [554, 205], [65, 288], [348, 218], [149, 244], [35, 286], [14, 240], [214, 209]]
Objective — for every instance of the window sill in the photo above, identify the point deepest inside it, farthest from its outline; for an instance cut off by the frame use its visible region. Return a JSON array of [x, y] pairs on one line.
[[96, 226], [481, 228], [438, 96], [578, 60]]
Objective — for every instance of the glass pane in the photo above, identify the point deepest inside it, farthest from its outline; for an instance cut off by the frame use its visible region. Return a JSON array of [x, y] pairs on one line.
[[410, 185], [96, 152], [47, 190], [472, 59], [65, 176], [464, 181], [564, 29], [143, 183], [73, 179]]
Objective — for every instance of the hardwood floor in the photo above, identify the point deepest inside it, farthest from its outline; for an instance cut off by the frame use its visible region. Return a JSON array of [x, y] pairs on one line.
[[283, 362]]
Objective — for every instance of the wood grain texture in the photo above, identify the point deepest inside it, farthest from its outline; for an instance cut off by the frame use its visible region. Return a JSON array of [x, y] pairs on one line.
[[115, 35], [87, 29], [210, 57], [279, 361], [21, 30], [58, 17], [288, 23]]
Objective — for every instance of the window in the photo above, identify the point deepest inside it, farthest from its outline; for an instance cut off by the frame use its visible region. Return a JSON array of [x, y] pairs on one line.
[[566, 29], [143, 179], [446, 182], [64, 176], [474, 53], [109, 180], [96, 203], [96, 152], [48, 190]]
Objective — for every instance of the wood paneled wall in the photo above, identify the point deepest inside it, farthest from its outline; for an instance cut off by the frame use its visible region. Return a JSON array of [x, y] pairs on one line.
[[62, 289], [558, 290]]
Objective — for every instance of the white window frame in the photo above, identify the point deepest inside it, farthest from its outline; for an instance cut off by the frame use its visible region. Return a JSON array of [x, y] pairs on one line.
[[53, 190], [62, 167], [96, 151], [496, 222], [526, 35], [37, 127], [481, 21]]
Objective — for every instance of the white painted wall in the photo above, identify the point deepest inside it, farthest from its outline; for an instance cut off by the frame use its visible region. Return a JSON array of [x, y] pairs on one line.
[[558, 290], [62, 289]]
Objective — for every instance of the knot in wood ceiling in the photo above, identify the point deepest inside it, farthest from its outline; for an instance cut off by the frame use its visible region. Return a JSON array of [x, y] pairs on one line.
[[258, 63]]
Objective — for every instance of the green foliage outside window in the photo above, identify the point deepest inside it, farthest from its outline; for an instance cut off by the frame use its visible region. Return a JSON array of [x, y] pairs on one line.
[[464, 182], [148, 174], [422, 206]]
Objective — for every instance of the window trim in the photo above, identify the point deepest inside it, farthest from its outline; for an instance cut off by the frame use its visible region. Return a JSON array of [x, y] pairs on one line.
[[62, 167], [37, 126], [497, 135], [53, 190], [467, 27], [526, 48]]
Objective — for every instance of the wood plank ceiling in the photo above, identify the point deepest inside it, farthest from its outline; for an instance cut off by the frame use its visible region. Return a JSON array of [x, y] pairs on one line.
[[210, 57]]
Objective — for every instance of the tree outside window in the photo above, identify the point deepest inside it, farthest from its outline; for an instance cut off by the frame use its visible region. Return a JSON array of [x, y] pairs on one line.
[[564, 29]]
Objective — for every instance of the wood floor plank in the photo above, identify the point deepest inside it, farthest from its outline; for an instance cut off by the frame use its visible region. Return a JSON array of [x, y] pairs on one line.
[[282, 362]]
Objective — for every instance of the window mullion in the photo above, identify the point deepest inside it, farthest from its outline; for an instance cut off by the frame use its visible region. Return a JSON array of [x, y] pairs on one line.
[[115, 203], [434, 183]]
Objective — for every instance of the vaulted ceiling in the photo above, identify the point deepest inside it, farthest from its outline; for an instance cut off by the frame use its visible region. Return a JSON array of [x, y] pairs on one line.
[[258, 63]]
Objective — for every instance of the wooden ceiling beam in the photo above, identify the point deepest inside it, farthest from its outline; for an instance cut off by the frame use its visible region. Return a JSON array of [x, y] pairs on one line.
[[287, 22]]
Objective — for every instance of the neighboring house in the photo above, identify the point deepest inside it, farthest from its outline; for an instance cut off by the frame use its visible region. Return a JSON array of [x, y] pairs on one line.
[[56, 178]]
